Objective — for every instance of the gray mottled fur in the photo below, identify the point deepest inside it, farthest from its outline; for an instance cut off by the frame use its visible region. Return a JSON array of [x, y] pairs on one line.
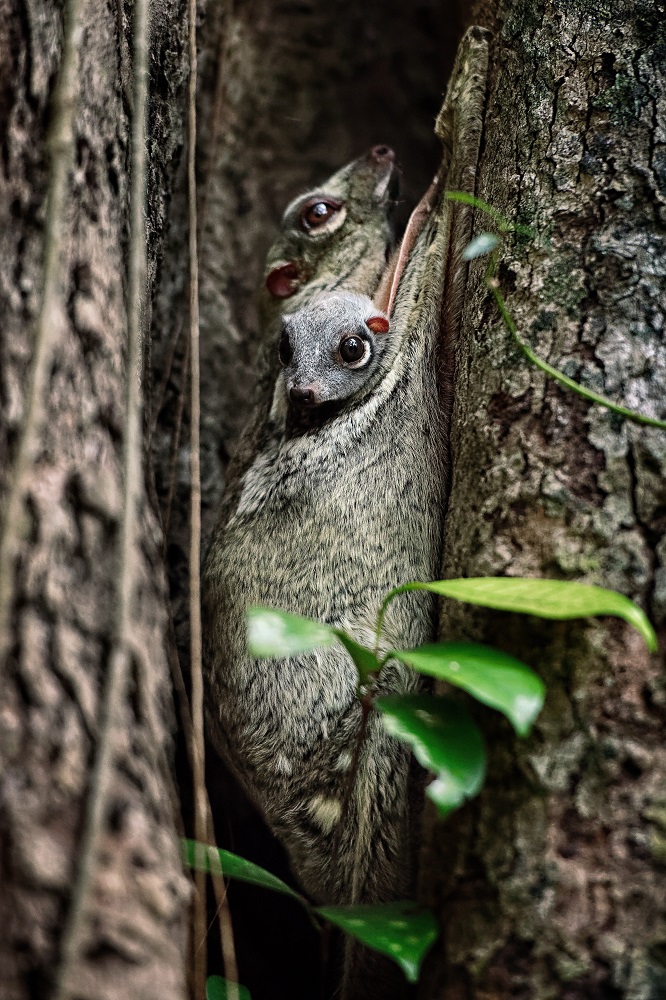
[[323, 519], [328, 520], [350, 253]]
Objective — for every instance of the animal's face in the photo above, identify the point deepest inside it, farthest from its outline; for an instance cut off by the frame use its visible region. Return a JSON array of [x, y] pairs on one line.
[[331, 348], [338, 235]]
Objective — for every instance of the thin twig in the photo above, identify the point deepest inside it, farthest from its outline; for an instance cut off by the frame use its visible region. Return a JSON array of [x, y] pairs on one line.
[[202, 808], [175, 445], [213, 133], [216, 112], [219, 885], [119, 662], [558, 376], [60, 143]]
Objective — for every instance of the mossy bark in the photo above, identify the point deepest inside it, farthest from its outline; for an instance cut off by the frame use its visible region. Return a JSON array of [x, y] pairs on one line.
[[551, 884]]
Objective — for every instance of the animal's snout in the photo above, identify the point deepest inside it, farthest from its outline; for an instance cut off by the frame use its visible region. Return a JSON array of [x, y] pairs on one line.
[[382, 154], [304, 395], [382, 162]]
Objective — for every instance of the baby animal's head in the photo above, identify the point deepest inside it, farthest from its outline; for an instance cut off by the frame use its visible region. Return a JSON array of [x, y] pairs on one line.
[[331, 348]]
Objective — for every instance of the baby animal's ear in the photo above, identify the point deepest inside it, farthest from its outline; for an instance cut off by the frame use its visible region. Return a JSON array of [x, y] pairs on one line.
[[283, 280], [378, 324]]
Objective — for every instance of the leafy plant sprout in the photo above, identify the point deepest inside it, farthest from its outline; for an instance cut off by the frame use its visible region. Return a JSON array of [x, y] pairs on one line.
[[443, 737], [440, 731]]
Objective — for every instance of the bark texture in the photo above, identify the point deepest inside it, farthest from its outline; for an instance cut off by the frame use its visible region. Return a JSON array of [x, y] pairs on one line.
[[553, 880], [131, 940]]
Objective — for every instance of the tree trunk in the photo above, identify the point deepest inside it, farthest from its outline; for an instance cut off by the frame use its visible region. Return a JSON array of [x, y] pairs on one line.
[[551, 884], [120, 933]]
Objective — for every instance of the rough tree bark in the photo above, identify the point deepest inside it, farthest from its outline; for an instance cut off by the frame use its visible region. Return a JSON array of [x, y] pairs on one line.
[[552, 885], [129, 940]]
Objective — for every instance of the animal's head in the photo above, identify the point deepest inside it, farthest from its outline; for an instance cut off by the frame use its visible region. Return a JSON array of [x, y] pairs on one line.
[[337, 235], [331, 349]]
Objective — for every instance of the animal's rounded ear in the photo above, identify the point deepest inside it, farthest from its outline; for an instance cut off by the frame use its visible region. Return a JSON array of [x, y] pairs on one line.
[[283, 280], [378, 324]]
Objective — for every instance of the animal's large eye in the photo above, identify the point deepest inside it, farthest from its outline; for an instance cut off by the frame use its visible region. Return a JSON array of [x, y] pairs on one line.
[[285, 350], [317, 211], [354, 351]]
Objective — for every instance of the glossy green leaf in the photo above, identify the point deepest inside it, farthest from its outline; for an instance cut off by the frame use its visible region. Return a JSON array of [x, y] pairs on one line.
[[403, 931], [559, 599], [481, 245], [271, 632], [495, 678], [365, 660], [444, 740], [218, 988], [213, 859]]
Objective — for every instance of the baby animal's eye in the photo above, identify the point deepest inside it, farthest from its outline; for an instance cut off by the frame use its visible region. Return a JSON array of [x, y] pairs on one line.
[[354, 351], [318, 211], [285, 350]]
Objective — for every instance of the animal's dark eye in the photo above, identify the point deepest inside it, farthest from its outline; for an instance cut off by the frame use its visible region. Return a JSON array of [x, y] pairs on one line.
[[318, 211], [353, 349], [285, 349]]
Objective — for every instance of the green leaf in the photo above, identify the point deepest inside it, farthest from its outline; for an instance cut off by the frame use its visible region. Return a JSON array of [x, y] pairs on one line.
[[481, 245], [495, 678], [559, 599], [365, 660], [503, 224], [213, 859], [271, 632], [403, 931], [444, 740], [482, 206], [218, 988]]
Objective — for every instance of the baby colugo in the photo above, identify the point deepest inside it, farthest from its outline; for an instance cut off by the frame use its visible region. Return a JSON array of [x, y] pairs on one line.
[[330, 350], [341, 503]]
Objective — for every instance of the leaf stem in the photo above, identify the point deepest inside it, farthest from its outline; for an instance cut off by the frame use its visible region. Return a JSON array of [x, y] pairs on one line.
[[404, 588], [505, 227], [594, 397], [469, 199]]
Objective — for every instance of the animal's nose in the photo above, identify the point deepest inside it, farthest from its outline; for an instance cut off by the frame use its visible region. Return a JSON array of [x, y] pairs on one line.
[[382, 154], [303, 395]]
